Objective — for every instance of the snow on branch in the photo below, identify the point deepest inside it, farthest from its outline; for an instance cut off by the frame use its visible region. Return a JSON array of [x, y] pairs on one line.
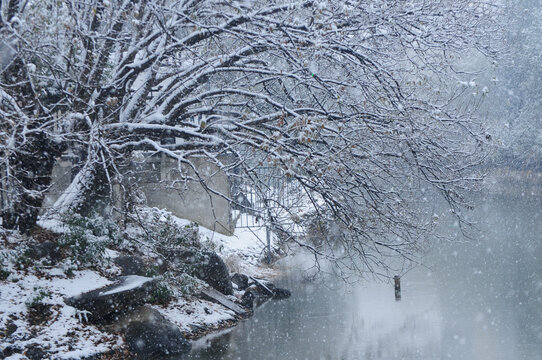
[[355, 104]]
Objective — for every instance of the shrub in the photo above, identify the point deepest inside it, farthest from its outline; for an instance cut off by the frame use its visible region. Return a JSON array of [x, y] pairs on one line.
[[170, 235], [161, 230], [3, 273], [38, 298], [68, 267], [162, 295], [186, 284], [87, 238], [39, 310], [21, 259]]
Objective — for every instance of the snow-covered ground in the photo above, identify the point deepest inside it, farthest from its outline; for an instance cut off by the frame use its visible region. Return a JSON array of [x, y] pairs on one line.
[[244, 251], [64, 333], [185, 313]]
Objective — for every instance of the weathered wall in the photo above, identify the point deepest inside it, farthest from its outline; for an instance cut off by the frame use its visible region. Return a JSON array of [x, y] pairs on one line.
[[159, 179], [190, 200], [61, 179]]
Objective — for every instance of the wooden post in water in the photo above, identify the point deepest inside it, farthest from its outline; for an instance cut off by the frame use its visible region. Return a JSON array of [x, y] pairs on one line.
[[268, 236], [397, 282], [268, 222]]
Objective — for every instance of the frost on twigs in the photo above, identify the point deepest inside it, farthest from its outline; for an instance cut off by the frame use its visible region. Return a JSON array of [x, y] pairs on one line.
[[338, 98]]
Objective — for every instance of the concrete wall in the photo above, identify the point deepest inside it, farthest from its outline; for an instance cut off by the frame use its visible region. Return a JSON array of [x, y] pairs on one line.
[[61, 179], [158, 178], [190, 200]]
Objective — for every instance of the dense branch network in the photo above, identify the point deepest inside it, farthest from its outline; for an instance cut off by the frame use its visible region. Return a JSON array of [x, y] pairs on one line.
[[338, 96]]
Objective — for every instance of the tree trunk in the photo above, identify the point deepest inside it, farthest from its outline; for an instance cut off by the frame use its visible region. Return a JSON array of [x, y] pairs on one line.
[[88, 193], [31, 169]]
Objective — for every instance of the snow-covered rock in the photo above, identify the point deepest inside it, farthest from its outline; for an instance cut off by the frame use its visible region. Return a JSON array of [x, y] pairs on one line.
[[206, 265], [240, 280], [130, 265], [149, 334], [127, 293]]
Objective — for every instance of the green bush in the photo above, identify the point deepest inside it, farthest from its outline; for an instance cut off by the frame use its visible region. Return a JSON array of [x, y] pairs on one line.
[[162, 231], [152, 271], [184, 283], [162, 295], [171, 235], [68, 267], [87, 238], [38, 298], [22, 259], [3, 273]]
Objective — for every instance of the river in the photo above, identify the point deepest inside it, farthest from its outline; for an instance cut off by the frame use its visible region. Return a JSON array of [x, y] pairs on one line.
[[475, 300]]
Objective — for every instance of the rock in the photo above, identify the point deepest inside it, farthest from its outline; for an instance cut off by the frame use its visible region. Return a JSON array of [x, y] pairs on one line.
[[47, 249], [149, 340], [261, 291], [159, 266], [106, 303], [281, 293], [219, 298], [254, 296], [241, 280], [34, 352], [131, 265], [247, 300], [150, 335], [265, 287], [8, 351], [9, 330], [205, 265], [141, 313], [268, 289], [215, 273]]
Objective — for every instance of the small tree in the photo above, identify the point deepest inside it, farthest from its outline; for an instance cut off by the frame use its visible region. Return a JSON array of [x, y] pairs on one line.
[[515, 107]]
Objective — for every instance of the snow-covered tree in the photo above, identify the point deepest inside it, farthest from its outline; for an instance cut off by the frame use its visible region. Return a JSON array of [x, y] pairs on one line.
[[349, 100], [515, 106]]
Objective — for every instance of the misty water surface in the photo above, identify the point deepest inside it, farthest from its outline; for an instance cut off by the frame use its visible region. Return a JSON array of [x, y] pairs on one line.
[[478, 300]]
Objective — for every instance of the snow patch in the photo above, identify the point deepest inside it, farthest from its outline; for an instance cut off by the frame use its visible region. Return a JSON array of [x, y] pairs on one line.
[[130, 282]]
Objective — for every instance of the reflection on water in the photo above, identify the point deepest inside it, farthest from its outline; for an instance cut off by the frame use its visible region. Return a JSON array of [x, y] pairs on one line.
[[479, 301]]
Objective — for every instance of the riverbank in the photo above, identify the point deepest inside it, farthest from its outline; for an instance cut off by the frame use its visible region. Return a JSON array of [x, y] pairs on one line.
[[38, 281]]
